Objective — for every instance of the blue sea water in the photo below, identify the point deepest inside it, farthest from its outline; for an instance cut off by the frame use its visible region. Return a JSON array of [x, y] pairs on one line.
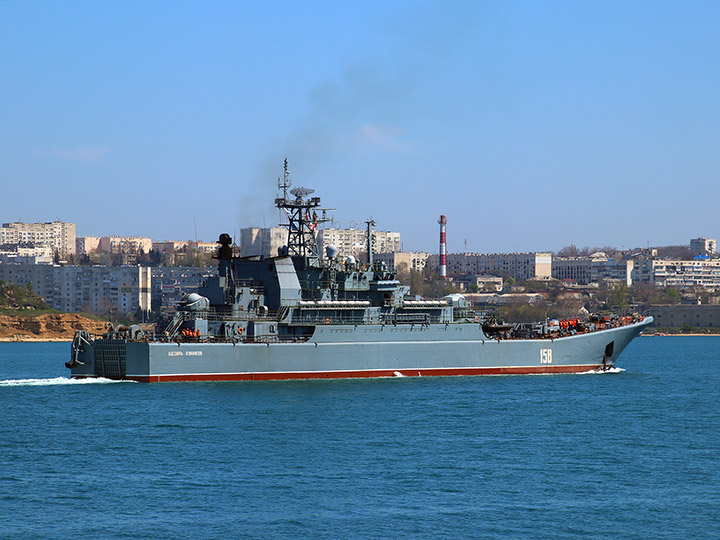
[[633, 454]]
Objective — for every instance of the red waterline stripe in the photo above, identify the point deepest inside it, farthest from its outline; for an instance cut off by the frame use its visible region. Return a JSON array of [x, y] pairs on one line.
[[273, 376]]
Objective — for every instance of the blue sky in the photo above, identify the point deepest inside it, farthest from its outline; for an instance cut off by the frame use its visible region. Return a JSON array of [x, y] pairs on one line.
[[531, 125]]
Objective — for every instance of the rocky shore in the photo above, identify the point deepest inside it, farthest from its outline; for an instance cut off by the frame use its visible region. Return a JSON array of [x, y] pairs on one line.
[[53, 327]]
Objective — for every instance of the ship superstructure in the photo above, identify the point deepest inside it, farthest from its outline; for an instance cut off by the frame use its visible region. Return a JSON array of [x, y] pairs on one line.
[[300, 315]]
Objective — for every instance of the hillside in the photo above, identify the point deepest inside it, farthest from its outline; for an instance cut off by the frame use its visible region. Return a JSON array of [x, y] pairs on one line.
[[16, 299], [24, 316]]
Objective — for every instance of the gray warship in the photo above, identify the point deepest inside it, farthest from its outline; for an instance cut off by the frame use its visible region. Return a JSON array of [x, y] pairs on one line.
[[301, 316]]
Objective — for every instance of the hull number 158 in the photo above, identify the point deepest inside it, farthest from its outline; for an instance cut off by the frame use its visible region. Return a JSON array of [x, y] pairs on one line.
[[546, 356]]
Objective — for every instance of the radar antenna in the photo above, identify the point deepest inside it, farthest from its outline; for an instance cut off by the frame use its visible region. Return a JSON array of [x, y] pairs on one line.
[[302, 218], [284, 183]]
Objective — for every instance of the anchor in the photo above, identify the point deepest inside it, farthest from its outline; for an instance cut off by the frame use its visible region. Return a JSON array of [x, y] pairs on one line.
[[76, 349], [609, 348]]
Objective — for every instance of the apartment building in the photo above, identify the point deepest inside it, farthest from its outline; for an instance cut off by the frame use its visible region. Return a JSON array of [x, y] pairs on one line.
[[354, 241], [97, 289], [125, 244], [677, 273], [85, 245], [262, 241], [20, 253], [519, 266], [113, 244], [703, 246], [170, 284], [593, 269], [410, 260], [169, 246], [57, 235], [207, 247]]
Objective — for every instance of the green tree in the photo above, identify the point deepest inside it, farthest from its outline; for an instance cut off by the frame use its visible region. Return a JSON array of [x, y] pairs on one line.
[[671, 296], [644, 293], [402, 271], [534, 286], [417, 283], [618, 296]]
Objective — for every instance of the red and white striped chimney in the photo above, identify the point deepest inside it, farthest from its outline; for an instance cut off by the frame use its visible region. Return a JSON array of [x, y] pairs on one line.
[[443, 247]]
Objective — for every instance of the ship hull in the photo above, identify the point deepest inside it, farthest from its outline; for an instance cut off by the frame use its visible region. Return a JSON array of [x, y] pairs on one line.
[[361, 351]]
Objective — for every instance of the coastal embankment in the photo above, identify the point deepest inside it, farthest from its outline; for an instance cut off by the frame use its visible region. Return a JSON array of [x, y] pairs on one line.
[[47, 327]]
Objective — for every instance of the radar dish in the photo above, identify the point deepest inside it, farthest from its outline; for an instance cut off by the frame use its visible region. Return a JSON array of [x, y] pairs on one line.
[[301, 192]]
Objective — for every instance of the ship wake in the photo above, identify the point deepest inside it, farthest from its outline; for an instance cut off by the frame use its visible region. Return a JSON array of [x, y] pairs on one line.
[[56, 381], [602, 371]]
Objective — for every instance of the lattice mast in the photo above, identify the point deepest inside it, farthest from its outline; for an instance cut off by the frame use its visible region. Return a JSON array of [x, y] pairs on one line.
[[302, 217], [370, 223]]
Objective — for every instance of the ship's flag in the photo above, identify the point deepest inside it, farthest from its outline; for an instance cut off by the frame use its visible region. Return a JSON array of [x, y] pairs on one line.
[[289, 215], [311, 225]]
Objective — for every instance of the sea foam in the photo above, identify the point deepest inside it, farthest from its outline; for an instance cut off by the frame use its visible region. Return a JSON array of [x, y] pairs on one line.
[[56, 381], [603, 371]]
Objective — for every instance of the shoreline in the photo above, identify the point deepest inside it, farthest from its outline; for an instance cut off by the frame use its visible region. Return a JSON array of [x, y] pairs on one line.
[[23, 339]]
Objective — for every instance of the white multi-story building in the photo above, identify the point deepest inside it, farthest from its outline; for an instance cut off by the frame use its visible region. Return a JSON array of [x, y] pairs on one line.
[[57, 235], [267, 241], [171, 283], [262, 241], [113, 244], [85, 245], [592, 269], [97, 289], [125, 244], [703, 246], [412, 260], [207, 247], [678, 273], [519, 266], [30, 255], [354, 241]]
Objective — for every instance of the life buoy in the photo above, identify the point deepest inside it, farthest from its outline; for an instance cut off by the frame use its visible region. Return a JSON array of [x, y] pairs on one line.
[[240, 330], [327, 321], [477, 319]]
